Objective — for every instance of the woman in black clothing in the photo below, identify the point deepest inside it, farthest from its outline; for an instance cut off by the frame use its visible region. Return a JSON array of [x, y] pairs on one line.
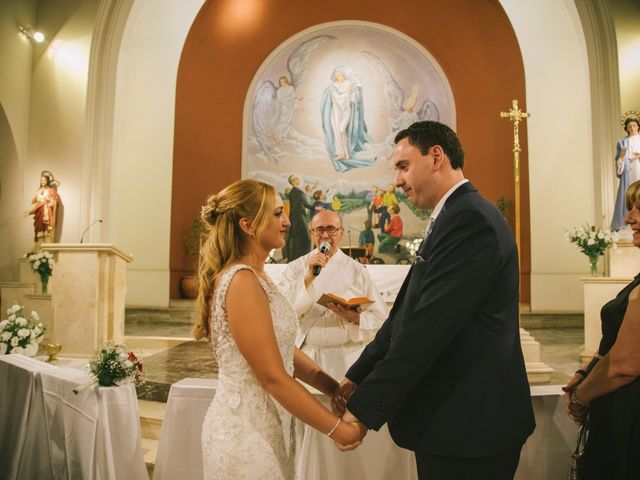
[[607, 391]]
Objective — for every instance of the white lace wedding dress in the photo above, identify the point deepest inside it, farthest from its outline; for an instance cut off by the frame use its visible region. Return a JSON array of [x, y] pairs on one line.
[[246, 433]]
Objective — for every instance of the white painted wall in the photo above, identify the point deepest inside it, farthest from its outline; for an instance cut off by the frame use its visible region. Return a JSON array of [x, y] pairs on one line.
[[16, 55], [560, 143], [142, 162], [57, 115], [627, 22]]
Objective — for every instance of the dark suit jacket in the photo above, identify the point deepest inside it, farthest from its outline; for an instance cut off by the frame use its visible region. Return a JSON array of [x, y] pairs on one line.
[[446, 369]]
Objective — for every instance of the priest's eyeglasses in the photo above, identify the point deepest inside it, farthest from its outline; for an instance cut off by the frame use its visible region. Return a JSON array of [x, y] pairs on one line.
[[320, 231]]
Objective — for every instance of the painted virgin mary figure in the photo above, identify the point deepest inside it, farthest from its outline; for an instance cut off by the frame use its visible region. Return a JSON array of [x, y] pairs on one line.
[[627, 164], [343, 124]]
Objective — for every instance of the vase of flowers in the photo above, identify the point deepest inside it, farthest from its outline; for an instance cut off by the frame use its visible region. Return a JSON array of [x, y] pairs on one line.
[[592, 242], [42, 263], [20, 335], [112, 366]]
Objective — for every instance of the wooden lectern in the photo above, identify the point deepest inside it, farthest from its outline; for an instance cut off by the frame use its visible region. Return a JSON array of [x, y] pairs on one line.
[[88, 290]]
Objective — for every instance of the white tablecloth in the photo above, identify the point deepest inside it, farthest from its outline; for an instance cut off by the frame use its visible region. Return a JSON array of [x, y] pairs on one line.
[[95, 434], [22, 452], [547, 452], [179, 450], [545, 455]]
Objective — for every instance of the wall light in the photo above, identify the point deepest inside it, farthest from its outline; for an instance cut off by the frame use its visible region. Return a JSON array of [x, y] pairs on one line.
[[30, 34]]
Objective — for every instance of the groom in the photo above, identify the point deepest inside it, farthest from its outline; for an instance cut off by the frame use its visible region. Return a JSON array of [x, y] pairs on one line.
[[446, 369]]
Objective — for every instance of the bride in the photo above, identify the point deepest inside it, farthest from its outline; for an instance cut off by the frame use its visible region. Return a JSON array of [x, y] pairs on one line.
[[248, 430]]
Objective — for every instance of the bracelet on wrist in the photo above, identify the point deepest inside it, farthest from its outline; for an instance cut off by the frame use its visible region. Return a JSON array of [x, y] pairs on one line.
[[576, 401], [581, 372], [334, 427]]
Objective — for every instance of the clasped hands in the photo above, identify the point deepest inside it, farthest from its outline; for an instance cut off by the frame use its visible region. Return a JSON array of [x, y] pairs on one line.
[[339, 406], [577, 412]]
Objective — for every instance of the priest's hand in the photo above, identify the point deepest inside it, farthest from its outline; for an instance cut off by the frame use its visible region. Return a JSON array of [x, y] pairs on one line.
[[351, 315], [316, 260]]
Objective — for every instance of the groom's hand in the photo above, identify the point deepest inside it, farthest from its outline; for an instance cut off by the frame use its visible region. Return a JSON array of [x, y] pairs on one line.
[[342, 396]]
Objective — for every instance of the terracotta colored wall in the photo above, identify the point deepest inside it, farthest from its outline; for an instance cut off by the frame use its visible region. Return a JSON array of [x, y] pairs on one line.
[[471, 39]]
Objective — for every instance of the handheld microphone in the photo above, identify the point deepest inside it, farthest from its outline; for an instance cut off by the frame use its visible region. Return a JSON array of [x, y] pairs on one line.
[[87, 229], [324, 248]]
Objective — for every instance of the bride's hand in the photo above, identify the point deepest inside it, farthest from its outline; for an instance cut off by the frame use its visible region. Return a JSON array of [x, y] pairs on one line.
[[352, 433]]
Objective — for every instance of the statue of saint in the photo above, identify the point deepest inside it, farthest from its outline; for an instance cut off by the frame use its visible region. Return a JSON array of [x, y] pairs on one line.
[[44, 208]]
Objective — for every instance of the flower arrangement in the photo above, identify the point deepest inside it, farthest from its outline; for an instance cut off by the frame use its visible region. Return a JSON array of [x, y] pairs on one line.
[[19, 335], [42, 263], [112, 366], [413, 245], [592, 242]]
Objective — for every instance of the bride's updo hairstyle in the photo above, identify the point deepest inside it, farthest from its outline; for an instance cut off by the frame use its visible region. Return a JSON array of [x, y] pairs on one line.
[[225, 242]]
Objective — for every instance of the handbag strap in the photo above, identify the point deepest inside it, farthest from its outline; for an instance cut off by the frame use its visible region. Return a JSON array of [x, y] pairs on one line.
[[583, 436]]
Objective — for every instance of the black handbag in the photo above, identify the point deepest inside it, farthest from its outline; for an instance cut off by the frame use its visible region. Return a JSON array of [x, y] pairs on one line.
[[577, 464]]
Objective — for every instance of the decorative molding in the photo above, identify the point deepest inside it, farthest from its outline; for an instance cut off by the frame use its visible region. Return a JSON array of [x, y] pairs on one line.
[[600, 39], [101, 89]]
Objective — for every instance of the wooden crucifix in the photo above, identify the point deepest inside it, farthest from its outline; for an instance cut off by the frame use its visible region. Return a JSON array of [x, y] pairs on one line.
[[515, 116]]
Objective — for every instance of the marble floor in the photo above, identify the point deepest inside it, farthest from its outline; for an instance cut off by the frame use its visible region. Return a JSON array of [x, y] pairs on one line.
[[560, 337]]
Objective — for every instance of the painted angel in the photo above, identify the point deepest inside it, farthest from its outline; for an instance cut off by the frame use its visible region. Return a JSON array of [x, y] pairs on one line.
[[273, 107], [403, 112]]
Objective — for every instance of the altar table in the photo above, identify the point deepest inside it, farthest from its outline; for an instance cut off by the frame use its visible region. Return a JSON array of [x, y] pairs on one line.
[[49, 432]]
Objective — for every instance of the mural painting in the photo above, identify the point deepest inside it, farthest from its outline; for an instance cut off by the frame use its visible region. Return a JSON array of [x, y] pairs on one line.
[[320, 122]]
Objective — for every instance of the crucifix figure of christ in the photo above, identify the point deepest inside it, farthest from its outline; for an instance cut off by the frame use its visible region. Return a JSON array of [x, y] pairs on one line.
[[515, 116]]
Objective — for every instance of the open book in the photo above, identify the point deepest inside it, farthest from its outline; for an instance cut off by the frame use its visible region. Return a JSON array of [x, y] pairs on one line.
[[354, 302]]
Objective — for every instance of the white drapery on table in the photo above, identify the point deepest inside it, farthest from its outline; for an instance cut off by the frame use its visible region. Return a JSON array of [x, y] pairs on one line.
[[547, 452], [545, 455], [95, 434], [179, 449], [22, 452]]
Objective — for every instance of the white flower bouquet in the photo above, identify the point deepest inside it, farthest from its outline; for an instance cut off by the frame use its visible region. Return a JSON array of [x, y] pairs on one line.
[[592, 242], [19, 335], [413, 245], [112, 366], [42, 262]]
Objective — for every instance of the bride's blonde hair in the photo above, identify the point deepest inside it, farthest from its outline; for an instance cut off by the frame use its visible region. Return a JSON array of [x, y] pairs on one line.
[[225, 240]]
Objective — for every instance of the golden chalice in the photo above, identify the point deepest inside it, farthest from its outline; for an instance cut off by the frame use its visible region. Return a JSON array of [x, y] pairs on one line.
[[51, 349]]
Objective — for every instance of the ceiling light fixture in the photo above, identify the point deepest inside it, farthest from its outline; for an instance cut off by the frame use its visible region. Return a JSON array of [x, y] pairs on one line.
[[31, 34]]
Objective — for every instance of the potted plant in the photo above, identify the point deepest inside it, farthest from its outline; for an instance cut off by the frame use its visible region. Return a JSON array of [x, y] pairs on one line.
[[191, 243]]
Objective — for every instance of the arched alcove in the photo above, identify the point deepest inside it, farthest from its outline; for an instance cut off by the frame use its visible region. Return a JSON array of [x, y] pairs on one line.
[[12, 222], [223, 52]]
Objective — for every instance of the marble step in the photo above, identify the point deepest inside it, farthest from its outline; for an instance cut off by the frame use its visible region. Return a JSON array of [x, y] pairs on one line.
[[151, 417]]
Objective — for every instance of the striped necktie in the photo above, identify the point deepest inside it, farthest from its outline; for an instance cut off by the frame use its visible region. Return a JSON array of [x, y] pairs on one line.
[[429, 227], [427, 231]]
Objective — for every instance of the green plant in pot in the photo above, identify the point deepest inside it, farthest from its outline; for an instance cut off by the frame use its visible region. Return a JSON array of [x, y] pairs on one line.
[[191, 242]]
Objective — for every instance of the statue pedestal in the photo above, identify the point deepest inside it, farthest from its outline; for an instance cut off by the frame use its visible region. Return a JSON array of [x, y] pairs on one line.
[[624, 260], [87, 296]]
